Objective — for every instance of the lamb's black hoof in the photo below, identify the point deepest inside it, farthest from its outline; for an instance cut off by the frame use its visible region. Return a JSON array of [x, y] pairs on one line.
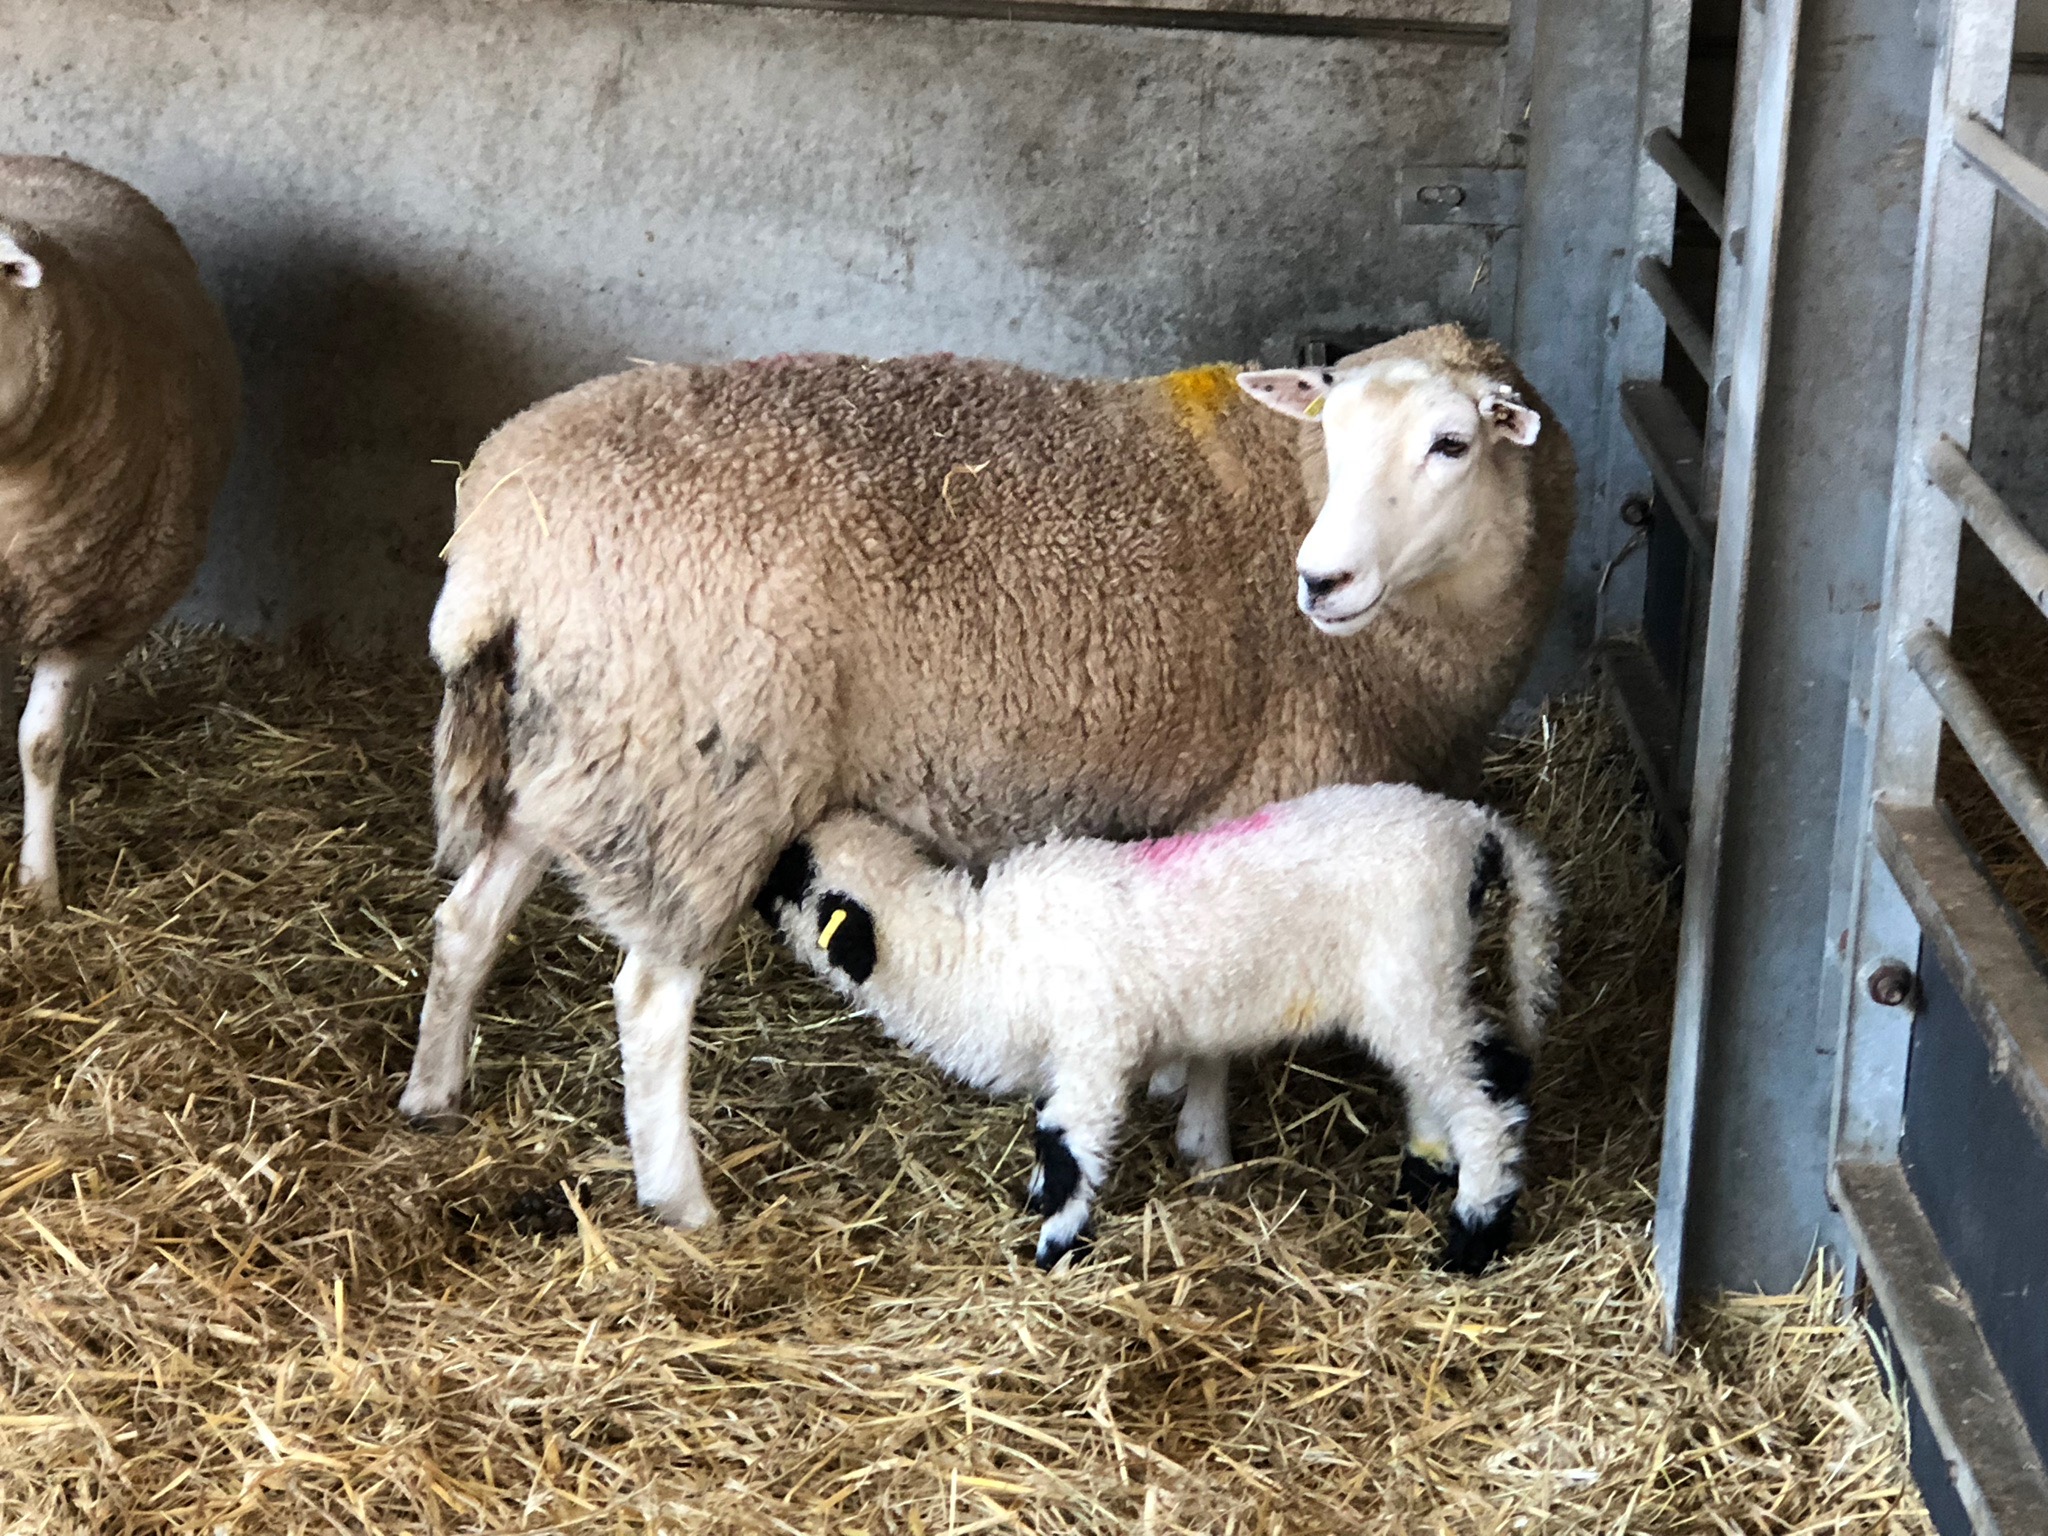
[[1421, 1181], [1050, 1253], [544, 1212], [1469, 1247]]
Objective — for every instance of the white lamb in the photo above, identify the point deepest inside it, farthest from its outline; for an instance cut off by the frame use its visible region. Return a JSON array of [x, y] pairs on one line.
[[1076, 967]]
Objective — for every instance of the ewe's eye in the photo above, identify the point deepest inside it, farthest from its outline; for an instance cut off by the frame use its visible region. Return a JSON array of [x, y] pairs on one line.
[[1450, 447]]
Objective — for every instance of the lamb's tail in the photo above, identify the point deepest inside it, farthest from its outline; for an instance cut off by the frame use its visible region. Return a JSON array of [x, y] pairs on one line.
[[1533, 911], [472, 747]]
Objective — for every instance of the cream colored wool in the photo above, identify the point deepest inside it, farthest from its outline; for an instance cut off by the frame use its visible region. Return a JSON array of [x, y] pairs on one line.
[[690, 610], [119, 395]]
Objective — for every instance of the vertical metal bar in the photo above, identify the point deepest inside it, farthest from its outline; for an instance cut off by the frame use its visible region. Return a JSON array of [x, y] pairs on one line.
[[1950, 271], [1747, 342]]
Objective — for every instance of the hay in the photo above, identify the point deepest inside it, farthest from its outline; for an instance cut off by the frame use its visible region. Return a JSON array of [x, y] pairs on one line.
[[235, 1296]]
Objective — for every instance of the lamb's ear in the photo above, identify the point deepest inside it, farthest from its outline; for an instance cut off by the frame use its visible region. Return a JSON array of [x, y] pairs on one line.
[[789, 881], [846, 932], [1296, 392], [1504, 407], [17, 266]]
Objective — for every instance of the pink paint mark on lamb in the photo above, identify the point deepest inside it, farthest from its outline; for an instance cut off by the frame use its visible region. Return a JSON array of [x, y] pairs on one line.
[[1165, 852]]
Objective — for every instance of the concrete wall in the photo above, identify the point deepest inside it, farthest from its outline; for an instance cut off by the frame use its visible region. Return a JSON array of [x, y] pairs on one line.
[[423, 216]]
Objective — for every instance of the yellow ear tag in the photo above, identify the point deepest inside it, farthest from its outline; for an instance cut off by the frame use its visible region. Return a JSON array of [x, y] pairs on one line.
[[831, 927], [1315, 408]]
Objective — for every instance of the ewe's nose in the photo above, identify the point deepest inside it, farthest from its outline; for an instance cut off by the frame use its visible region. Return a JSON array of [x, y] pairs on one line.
[[1316, 588]]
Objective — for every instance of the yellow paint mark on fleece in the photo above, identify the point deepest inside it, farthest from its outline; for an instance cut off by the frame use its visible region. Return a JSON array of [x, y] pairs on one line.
[[831, 927], [1437, 1152], [1200, 396], [1304, 1012]]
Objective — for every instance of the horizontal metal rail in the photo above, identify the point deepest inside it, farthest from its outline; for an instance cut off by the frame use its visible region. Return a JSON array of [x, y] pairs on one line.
[[1672, 448], [1976, 1423], [1649, 716], [1694, 339], [1984, 952], [1176, 18], [1669, 156], [2003, 534], [2003, 166], [1978, 730]]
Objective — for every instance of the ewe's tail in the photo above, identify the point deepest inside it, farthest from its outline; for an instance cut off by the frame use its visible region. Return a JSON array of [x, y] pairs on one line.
[[472, 751], [1532, 928]]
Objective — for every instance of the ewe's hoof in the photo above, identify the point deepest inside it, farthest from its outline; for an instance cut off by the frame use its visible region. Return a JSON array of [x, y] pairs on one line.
[[686, 1213], [444, 1123], [1421, 1181], [1470, 1246]]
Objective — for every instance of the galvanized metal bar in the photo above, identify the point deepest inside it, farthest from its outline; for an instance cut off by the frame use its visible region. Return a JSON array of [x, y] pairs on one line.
[[1981, 148], [1669, 156], [1694, 339], [2022, 555], [1991, 1461], [1765, 86], [1111, 13], [1671, 447], [2018, 790], [1985, 953], [1901, 719]]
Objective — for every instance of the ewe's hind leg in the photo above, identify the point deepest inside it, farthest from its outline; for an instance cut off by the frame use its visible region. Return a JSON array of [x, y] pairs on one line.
[[1077, 1128], [468, 928], [656, 1003], [61, 676]]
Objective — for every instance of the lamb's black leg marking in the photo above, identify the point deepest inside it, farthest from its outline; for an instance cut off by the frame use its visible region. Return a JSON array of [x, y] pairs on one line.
[[1057, 1175], [1421, 1181], [1470, 1246], [1050, 1253], [1486, 872], [1503, 1070]]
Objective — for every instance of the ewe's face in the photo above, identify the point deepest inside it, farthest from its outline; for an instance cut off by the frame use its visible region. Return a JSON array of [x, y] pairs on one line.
[[1416, 460], [22, 295]]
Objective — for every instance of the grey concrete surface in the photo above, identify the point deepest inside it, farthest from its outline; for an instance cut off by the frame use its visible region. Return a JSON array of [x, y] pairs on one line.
[[423, 216]]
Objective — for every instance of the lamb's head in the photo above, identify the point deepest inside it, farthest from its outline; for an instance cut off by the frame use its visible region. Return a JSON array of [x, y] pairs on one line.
[[827, 891], [1429, 477], [26, 329]]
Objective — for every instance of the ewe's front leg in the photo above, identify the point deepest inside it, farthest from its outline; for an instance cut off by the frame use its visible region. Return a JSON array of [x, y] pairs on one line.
[[469, 926], [1077, 1128], [61, 676], [656, 1002]]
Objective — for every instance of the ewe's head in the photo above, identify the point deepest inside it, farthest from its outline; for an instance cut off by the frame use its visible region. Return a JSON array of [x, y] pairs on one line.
[[25, 339], [1428, 480]]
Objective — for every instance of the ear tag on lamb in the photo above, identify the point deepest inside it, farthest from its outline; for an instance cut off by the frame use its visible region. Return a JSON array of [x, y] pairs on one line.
[[1315, 408], [831, 927]]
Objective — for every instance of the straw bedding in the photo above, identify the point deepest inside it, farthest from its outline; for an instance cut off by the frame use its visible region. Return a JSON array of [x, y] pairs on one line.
[[236, 1296]]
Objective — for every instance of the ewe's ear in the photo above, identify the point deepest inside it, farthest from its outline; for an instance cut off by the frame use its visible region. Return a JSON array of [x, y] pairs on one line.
[[1296, 392], [17, 266], [1514, 420]]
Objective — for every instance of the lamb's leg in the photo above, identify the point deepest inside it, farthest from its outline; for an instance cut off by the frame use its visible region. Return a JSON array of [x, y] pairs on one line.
[[468, 928], [1450, 1068], [59, 679], [1077, 1127], [1426, 1166], [656, 1001], [1203, 1134]]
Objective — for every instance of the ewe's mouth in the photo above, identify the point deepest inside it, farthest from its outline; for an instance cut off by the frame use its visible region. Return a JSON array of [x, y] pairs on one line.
[[1345, 623]]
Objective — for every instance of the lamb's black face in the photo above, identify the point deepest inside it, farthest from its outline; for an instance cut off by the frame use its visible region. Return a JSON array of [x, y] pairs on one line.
[[795, 872], [846, 932]]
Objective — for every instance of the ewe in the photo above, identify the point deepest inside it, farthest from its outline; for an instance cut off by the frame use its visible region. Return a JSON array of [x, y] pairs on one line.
[[690, 610], [1076, 967], [118, 399]]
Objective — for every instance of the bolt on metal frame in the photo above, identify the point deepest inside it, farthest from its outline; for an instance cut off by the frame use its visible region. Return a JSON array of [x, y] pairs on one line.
[[1915, 882]]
